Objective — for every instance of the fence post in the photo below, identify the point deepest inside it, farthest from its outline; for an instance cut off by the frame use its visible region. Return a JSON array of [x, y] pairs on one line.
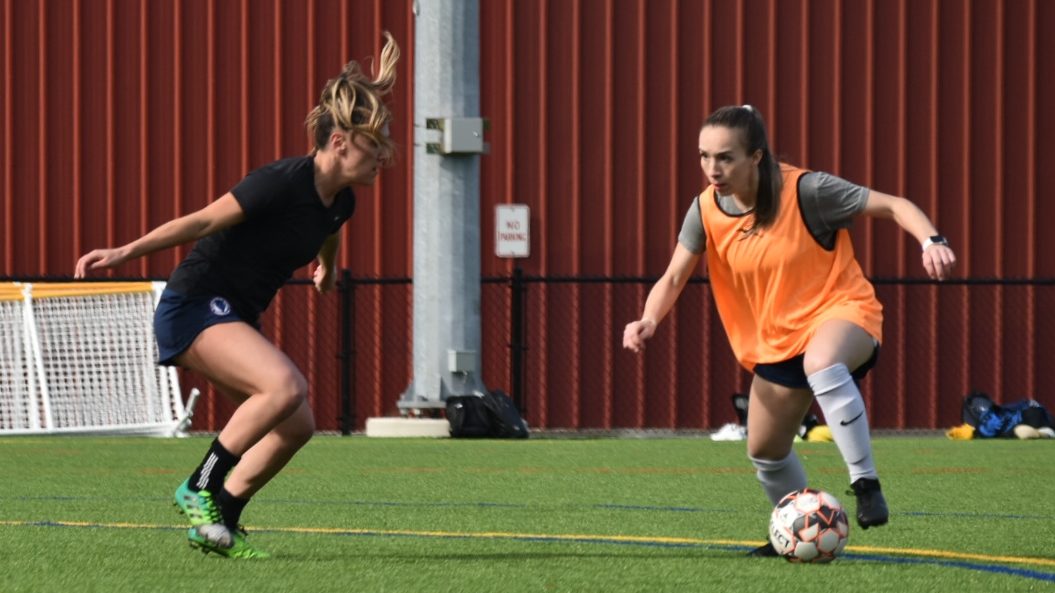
[[346, 289], [516, 338]]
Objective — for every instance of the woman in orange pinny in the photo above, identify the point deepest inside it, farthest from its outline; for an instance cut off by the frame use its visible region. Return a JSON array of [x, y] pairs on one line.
[[798, 311]]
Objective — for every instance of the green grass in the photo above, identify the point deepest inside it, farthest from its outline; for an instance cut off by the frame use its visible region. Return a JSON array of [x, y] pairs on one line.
[[356, 514]]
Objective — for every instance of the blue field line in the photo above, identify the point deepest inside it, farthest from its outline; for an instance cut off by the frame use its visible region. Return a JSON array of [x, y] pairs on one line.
[[511, 505], [967, 515], [384, 503], [665, 509], [525, 538], [600, 540], [990, 568]]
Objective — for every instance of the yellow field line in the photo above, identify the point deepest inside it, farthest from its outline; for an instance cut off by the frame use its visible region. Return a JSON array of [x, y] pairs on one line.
[[941, 554]]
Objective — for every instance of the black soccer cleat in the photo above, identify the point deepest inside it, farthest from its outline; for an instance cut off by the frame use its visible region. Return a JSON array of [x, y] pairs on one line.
[[871, 506], [766, 551]]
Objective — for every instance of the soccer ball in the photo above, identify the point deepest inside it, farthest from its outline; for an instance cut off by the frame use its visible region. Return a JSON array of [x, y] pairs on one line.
[[809, 525]]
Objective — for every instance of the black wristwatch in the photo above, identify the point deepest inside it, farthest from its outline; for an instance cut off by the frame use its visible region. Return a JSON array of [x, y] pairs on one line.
[[935, 240]]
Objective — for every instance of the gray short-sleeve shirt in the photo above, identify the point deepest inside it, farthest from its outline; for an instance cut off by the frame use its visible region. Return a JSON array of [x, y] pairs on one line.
[[828, 203]]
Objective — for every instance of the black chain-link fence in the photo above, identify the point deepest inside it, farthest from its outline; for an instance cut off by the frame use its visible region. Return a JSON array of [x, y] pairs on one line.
[[554, 344]]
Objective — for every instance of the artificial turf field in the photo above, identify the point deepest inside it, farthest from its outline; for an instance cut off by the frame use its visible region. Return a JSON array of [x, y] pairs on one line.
[[351, 514]]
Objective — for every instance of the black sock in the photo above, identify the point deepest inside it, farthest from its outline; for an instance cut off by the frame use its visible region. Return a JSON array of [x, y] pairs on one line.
[[231, 508], [213, 469]]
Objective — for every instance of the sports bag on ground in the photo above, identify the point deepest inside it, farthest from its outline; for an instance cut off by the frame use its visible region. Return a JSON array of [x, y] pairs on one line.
[[506, 422], [991, 420], [492, 415], [468, 417]]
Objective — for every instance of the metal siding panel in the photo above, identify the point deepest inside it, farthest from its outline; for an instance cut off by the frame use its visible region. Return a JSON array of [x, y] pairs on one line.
[[662, 215], [627, 207], [124, 199], [1044, 119], [758, 66], [822, 104], [953, 327], [983, 214], [6, 141], [591, 183], [888, 245], [160, 202], [496, 31], [398, 189], [397, 197], [525, 139], [787, 129], [92, 176], [1017, 117], [1040, 323], [555, 118], [1019, 145], [228, 100], [594, 167], [28, 106], [496, 100], [179, 130], [77, 104], [559, 111], [7, 255], [985, 315], [58, 63], [692, 397]]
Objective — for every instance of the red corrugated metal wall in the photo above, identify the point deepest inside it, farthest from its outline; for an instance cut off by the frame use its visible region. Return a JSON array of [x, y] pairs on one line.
[[118, 115]]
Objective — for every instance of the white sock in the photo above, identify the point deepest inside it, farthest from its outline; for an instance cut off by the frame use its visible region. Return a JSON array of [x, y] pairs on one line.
[[844, 410], [781, 476]]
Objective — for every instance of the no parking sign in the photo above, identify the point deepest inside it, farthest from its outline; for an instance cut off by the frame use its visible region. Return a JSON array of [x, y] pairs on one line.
[[512, 230]]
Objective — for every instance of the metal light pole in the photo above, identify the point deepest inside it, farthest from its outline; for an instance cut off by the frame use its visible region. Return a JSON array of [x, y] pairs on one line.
[[448, 141]]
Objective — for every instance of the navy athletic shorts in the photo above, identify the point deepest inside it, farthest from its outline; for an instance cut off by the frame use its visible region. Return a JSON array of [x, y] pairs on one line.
[[791, 373], [178, 320]]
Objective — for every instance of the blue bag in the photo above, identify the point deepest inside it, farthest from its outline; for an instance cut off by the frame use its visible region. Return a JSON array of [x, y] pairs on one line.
[[991, 420]]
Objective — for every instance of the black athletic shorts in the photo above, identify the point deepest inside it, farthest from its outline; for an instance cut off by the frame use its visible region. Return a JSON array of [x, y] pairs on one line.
[[179, 319], [790, 373]]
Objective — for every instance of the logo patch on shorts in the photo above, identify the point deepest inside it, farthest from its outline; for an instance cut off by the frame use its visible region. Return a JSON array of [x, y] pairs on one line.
[[220, 307]]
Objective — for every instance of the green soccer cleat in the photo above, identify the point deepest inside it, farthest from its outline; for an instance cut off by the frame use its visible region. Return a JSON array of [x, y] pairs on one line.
[[231, 544], [199, 506]]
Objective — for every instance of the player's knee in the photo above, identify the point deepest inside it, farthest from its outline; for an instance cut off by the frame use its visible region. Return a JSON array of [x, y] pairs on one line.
[[766, 452], [814, 362], [301, 431], [288, 392]]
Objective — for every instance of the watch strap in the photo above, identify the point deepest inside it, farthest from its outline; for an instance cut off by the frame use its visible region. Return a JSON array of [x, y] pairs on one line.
[[934, 240]]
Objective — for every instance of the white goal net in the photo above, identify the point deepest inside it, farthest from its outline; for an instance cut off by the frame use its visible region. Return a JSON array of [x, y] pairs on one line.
[[81, 358]]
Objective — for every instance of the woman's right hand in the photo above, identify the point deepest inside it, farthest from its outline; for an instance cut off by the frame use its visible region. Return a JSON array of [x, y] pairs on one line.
[[637, 332], [99, 258]]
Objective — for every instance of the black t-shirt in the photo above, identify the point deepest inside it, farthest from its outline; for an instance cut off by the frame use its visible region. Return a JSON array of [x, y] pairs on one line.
[[285, 225]]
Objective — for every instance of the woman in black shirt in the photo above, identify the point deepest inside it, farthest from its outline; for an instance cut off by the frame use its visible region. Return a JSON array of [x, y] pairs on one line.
[[249, 242]]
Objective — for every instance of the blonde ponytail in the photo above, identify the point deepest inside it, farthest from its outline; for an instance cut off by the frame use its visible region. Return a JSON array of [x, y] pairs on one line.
[[354, 102]]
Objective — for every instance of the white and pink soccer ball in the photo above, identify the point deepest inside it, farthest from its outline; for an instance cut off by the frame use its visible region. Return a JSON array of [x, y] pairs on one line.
[[809, 525]]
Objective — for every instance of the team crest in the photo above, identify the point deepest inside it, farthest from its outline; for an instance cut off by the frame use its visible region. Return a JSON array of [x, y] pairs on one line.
[[220, 307]]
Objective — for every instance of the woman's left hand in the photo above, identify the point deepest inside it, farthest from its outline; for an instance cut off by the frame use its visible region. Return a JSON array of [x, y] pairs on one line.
[[325, 279], [939, 261]]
